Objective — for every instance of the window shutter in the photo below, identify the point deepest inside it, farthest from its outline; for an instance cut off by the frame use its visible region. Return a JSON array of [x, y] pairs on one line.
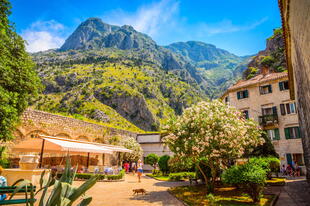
[[282, 108], [298, 132], [274, 110], [281, 86], [238, 95], [289, 158], [270, 89], [288, 110], [276, 134], [246, 94], [287, 133]]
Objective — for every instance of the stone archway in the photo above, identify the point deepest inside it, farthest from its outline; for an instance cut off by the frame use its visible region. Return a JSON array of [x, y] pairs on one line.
[[83, 138], [63, 135], [35, 133]]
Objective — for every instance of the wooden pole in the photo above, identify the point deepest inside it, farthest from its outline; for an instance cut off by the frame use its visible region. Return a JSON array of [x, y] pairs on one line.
[[41, 154], [87, 160]]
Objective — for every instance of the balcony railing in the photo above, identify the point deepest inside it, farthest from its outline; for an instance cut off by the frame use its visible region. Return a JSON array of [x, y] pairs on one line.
[[268, 120]]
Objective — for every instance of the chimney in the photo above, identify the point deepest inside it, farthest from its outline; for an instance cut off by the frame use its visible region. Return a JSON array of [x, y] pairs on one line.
[[265, 70]]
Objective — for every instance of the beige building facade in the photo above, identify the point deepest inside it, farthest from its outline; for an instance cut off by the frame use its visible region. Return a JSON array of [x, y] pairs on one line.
[[266, 99]]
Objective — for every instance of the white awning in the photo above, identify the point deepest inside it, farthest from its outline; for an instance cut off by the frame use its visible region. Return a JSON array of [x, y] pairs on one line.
[[62, 145]]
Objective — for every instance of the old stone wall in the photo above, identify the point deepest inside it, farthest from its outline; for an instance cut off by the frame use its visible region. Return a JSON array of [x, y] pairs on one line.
[[38, 122], [296, 26]]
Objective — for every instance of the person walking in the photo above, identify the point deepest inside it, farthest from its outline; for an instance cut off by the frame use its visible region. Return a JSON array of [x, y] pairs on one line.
[[139, 170], [133, 167]]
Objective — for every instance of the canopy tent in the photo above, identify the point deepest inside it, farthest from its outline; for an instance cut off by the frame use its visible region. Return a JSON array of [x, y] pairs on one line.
[[50, 144]]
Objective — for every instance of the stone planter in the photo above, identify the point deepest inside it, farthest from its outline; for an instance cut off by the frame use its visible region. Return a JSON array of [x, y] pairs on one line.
[[28, 162]]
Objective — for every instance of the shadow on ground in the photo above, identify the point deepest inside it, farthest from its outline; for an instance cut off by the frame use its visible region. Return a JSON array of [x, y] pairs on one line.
[[155, 197]]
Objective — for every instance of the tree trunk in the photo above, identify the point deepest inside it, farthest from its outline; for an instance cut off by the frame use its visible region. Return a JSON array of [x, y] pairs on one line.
[[203, 174], [213, 173]]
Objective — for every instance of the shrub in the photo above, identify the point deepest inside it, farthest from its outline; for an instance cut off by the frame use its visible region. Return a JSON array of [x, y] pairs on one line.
[[163, 164], [250, 176], [267, 61], [156, 172], [175, 176], [117, 177], [269, 164], [177, 164], [181, 175], [152, 159]]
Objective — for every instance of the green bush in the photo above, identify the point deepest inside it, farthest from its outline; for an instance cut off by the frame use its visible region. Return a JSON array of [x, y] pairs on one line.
[[117, 177], [249, 176], [175, 176], [151, 159], [163, 164], [177, 164], [156, 172], [269, 164], [83, 176], [181, 176], [267, 61]]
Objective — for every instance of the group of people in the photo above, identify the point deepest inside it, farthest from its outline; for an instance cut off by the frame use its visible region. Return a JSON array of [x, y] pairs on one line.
[[134, 167], [291, 169]]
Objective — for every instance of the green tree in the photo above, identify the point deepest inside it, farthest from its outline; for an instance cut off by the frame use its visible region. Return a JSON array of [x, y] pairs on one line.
[[249, 176], [18, 80], [163, 164], [152, 159]]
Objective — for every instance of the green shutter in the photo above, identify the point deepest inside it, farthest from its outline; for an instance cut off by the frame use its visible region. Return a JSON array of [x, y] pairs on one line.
[[238, 95], [287, 133], [281, 86], [289, 158], [270, 89], [246, 93], [276, 134]]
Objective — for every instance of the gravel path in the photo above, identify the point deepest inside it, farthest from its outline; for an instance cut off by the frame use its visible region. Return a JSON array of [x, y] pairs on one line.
[[120, 193]]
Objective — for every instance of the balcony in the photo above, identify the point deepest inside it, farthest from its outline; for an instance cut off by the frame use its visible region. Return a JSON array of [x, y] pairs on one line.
[[268, 120]]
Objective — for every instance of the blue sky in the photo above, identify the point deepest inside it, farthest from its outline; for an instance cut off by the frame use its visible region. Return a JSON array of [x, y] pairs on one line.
[[239, 26]]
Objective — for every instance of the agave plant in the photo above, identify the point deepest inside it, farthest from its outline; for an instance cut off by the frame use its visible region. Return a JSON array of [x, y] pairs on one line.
[[62, 193]]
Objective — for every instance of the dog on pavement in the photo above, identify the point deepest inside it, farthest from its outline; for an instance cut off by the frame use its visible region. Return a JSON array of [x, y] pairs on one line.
[[137, 191]]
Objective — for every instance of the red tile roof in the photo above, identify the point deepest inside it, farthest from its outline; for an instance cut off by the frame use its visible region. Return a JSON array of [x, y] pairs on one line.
[[259, 79]]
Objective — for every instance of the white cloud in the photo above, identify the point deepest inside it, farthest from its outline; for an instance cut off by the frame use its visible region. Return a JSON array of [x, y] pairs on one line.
[[43, 35], [149, 19]]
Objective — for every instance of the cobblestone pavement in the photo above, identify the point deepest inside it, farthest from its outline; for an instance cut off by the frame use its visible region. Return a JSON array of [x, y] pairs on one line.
[[296, 192], [120, 193]]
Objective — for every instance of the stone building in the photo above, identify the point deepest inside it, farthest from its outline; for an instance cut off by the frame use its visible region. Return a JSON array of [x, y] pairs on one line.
[[266, 99], [34, 122], [152, 143], [296, 28]]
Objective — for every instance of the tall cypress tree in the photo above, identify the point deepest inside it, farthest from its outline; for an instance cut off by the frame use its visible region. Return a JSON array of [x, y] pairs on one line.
[[18, 80]]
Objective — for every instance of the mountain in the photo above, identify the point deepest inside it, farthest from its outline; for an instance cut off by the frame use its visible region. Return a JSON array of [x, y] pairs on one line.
[[273, 56], [120, 77], [218, 67]]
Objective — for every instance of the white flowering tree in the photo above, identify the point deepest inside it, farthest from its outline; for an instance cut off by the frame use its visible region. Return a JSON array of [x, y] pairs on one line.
[[132, 144], [211, 130]]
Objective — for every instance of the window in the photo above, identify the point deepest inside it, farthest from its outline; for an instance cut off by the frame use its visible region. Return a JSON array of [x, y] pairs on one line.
[[288, 108], [283, 85], [273, 134], [246, 114], [269, 111], [242, 94], [227, 99], [292, 132], [265, 89]]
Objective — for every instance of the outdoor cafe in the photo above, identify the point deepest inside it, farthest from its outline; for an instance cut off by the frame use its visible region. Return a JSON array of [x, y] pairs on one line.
[[49, 153]]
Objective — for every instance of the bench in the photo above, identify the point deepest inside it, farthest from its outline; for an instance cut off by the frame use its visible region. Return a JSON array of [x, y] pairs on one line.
[[11, 189], [191, 180]]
